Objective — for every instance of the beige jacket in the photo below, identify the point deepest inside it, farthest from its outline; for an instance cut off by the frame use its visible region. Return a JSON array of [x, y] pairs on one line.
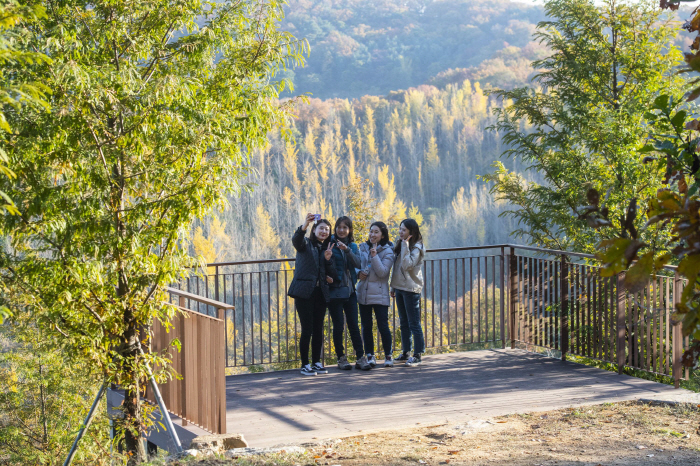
[[407, 274]]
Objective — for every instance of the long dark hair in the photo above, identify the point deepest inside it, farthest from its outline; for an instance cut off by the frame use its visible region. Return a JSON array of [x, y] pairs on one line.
[[413, 230], [385, 233], [313, 238], [348, 223]]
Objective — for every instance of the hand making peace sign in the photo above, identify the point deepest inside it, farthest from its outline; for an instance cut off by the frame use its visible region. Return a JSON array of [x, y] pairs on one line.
[[329, 252]]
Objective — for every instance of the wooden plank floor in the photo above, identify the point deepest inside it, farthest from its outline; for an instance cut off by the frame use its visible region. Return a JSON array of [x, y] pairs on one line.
[[285, 407]]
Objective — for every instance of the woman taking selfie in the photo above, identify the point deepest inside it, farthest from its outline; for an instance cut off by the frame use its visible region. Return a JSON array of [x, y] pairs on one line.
[[313, 273], [343, 303], [376, 257], [406, 285]]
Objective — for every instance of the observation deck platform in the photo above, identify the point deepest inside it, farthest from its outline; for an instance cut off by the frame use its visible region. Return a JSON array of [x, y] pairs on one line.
[[285, 407]]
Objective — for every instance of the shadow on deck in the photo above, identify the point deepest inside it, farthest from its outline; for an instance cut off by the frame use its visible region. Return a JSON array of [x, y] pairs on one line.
[[285, 407]]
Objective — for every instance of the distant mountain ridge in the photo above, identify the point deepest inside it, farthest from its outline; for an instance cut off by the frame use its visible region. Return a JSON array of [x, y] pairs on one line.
[[371, 47]]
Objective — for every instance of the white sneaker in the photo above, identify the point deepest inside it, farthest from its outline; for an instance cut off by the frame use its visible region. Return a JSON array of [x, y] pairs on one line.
[[371, 360], [389, 361], [307, 370], [343, 364], [414, 361], [362, 364]]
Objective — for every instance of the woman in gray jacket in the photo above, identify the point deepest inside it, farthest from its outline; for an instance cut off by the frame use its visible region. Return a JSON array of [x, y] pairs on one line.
[[406, 286], [376, 258]]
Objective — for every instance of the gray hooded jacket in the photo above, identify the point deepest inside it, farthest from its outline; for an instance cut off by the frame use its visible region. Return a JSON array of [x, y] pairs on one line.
[[407, 274], [375, 288]]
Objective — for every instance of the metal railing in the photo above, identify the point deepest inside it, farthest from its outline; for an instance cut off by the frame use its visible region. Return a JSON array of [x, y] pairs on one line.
[[484, 296]]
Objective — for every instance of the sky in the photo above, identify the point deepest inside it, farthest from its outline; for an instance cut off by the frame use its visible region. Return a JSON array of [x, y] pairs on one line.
[[540, 2]]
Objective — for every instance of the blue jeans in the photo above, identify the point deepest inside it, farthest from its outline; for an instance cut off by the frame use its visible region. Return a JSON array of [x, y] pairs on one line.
[[382, 315], [408, 306], [349, 306]]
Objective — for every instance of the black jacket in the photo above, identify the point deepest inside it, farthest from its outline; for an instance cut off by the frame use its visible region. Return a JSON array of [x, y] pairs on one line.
[[310, 268]]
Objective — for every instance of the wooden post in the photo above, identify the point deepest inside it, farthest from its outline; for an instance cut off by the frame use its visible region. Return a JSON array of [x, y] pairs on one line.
[[514, 298], [221, 373], [182, 301], [564, 299], [503, 298], [677, 334], [621, 328]]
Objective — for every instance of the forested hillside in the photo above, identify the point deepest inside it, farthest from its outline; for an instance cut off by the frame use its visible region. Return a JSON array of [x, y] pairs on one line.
[[422, 150], [361, 47]]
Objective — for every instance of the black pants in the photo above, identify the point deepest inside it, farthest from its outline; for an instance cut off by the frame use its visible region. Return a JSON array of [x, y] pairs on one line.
[[311, 313], [336, 308], [382, 315]]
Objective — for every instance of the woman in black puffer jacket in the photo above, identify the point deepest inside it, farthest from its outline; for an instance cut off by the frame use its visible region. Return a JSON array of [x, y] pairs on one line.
[[313, 273]]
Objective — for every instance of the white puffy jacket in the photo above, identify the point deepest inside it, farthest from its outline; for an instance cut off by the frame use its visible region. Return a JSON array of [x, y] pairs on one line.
[[375, 288]]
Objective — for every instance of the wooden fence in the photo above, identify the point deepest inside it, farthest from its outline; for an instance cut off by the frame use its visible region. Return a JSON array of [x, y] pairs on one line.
[[199, 397]]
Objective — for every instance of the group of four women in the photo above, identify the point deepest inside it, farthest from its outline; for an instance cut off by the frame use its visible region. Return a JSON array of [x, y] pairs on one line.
[[333, 273]]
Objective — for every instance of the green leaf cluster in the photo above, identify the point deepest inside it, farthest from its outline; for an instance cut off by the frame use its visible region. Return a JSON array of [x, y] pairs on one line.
[[581, 127], [15, 91], [44, 398], [153, 107]]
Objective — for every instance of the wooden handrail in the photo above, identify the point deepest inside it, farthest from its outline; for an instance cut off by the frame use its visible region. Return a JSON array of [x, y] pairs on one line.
[[199, 299], [199, 314]]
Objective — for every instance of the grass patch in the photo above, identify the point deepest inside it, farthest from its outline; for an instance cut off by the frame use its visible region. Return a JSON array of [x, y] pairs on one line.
[[692, 384]]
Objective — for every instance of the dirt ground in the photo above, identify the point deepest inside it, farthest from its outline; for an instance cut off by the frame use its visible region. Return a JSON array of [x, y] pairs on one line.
[[609, 434]]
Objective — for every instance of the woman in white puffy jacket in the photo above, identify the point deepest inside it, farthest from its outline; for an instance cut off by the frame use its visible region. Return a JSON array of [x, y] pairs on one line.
[[377, 258]]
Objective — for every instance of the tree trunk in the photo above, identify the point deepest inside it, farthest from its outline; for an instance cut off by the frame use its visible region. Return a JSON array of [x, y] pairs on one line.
[[133, 441]]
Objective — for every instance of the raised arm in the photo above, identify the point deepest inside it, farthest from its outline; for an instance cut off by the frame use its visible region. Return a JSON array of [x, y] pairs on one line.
[[409, 259], [298, 236], [298, 239]]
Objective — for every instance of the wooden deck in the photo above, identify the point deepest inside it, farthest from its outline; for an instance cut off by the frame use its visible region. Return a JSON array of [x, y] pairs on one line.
[[285, 407]]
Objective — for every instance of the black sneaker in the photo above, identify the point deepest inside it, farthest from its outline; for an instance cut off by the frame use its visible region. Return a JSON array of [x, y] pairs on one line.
[[319, 369], [307, 370], [402, 357]]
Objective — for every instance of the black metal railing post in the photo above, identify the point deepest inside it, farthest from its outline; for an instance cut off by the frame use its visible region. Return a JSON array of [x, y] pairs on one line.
[[564, 299], [503, 299], [621, 308], [216, 283], [514, 298]]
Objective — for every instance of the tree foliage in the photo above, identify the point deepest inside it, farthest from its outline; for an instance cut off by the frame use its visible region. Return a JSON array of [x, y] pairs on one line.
[[673, 149], [606, 67], [153, 106], [44, 397], [16, 92]]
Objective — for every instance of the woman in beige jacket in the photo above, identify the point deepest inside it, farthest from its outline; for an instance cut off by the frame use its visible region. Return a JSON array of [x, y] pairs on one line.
[[406, 285]]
